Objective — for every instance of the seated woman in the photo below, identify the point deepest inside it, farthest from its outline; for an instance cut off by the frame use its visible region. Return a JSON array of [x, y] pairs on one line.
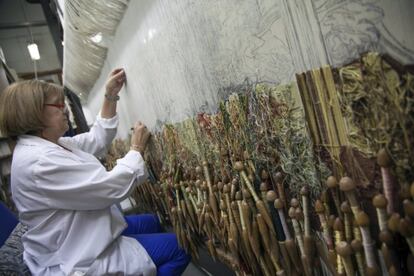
[[67, 198]]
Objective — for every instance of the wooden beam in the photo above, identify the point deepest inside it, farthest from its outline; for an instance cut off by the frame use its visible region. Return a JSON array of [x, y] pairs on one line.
[[31, 75], [26, 24]]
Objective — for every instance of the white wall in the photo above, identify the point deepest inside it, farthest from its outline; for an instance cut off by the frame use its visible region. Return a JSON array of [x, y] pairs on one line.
[[181, 55]]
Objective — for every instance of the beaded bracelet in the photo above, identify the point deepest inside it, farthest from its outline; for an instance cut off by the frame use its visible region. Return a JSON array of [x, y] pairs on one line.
[[137, 148], [112, 98]]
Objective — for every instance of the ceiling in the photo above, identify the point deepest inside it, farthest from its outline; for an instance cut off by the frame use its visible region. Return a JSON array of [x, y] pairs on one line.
[[22, 23]]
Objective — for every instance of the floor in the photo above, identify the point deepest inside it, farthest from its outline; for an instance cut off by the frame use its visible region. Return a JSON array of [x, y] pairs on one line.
[[206, 266], [193, 270]]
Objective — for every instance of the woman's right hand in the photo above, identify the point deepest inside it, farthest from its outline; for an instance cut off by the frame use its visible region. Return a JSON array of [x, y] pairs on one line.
[[139, 138]]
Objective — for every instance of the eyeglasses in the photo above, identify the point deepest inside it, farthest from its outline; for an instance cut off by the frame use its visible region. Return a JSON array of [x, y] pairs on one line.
[[60, 106]]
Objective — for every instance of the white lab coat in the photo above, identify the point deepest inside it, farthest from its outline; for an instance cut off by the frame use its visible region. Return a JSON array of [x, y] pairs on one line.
[[67, 201]]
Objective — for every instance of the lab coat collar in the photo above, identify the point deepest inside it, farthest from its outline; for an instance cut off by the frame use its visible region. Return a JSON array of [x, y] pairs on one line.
[[31, 140]]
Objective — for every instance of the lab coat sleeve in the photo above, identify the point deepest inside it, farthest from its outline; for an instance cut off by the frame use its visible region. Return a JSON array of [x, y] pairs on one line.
[[98, 139], [67, 183]]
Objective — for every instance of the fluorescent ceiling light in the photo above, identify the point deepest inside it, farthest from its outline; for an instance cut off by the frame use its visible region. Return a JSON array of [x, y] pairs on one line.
[[34, 51], [97, 38]]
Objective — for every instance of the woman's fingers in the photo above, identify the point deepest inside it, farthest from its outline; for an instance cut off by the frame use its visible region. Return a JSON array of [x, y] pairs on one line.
[[116, 71], [118, 77], [137, 125], [140, 136], [115, 81], [116, 74]]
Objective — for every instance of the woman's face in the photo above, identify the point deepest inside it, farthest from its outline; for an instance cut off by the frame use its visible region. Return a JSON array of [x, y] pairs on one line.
[[55, 118]]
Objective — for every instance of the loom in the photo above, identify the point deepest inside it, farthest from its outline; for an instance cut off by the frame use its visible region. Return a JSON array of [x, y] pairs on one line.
[[277, 93]]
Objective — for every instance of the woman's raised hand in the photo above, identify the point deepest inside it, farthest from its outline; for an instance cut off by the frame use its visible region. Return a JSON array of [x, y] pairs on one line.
[[115, 81]]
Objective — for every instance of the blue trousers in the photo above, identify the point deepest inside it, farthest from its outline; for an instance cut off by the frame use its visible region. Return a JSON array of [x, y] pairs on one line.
[[163, 248]]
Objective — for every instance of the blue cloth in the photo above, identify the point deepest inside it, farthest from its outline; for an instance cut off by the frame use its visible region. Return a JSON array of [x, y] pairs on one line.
[[7, 223], [163, 248]]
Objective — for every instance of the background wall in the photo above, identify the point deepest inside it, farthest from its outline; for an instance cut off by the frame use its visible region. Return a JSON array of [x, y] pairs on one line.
[[182, 56]]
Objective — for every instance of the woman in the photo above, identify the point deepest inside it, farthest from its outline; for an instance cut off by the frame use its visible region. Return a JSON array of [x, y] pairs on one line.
[[67, 198]]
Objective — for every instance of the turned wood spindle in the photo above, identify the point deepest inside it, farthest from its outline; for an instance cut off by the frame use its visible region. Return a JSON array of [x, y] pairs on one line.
[[211, 196], [233, 233], [320, 210], [298, 235], [345, 208], [412, 190], [406, 228], [279, 184], [362, 221], [345, 251], [297, 230], [347, 185], [339, 236], [278, 203], [289, 242], [408, 206], [270, 198], [380, 203], [260, 205], [332, 185], [384, 161], [356, 245], [244, 217], [305, 205]]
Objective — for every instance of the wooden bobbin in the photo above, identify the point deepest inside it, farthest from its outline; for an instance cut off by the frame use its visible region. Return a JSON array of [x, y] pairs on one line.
[[345, 251], [362, 221], [332, 184], [383, 159], [348, 186]]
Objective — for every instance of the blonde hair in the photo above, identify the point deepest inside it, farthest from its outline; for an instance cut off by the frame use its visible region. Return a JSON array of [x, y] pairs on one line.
[[21, 106]]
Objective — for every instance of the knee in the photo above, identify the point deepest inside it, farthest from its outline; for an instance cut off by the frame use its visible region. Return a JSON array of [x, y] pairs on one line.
[[180, 253], [185, 257], [182, 261]]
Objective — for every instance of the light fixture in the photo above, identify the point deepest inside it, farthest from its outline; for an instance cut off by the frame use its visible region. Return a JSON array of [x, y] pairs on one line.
[[33, 51], [97, 38]]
